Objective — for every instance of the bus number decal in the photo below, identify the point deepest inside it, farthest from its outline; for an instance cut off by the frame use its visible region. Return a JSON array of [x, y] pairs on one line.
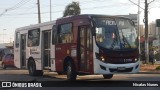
[[58, 48]]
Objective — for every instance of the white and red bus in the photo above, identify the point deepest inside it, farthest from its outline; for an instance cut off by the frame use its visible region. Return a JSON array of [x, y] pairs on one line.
[[75, 45]]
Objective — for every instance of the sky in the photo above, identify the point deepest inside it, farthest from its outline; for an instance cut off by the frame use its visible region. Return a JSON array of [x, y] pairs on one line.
[[19, 13]]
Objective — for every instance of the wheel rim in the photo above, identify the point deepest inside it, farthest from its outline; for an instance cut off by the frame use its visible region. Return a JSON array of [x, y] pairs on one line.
[[31, 68]]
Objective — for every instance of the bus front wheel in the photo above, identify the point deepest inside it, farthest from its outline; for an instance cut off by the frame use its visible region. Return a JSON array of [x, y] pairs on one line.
[[71, 73], [107, 76], [39, 72]]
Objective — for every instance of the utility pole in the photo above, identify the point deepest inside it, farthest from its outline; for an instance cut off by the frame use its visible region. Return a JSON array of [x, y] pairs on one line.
[[39, 13], [145, 20], [138, 27], [146, 31], [50, 10]]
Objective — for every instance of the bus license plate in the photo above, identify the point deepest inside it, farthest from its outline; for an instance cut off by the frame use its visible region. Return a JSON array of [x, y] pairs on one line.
[[121, 68]]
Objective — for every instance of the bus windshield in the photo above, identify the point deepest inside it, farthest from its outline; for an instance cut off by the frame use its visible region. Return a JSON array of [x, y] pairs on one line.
[[115, 34]]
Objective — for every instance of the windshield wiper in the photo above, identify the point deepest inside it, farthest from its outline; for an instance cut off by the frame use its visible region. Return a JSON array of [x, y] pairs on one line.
[[125, 41], [114, 41]]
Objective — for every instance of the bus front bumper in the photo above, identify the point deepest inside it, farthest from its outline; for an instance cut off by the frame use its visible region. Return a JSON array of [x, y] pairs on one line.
[[107, 68]]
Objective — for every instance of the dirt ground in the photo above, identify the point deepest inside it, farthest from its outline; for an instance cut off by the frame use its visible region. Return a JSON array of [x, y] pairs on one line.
[[149, 67]]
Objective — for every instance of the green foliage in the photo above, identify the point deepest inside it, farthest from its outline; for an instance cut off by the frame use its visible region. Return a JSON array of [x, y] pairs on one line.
[[158, 68], [72, 9], [157, 56]]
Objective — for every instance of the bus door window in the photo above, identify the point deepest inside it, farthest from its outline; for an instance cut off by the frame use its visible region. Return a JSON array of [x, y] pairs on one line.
[[46, 46], [89, 47], [82, 45], [85, 41], [82, 49], [17, 39], [23, 50]]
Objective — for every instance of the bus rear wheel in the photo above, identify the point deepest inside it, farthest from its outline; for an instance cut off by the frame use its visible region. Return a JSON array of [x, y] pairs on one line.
[[107, 76], [32, 68], [71, 73]]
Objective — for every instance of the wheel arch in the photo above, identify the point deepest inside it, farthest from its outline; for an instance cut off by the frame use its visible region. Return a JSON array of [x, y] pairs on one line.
[[29, 59]]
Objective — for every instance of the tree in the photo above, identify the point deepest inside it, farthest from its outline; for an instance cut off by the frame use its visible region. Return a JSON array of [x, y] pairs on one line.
[[72, 9]]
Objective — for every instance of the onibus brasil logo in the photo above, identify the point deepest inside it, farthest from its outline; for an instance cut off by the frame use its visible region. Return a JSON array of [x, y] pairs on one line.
[[20, 84]]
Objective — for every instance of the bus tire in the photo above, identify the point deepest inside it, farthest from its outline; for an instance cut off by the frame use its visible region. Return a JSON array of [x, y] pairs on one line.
[[39, 72], [60, 73], [70, 71], [107, 76], [32, 68]]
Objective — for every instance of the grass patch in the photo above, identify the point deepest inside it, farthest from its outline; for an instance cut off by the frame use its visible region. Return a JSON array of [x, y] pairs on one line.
[[158, 68]]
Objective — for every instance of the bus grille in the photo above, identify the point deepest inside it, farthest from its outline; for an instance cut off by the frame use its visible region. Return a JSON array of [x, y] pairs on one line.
[[116, 70]]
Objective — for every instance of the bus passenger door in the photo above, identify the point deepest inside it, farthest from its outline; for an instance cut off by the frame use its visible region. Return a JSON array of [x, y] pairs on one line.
[[84, 44], [23, 50], [46, 47]]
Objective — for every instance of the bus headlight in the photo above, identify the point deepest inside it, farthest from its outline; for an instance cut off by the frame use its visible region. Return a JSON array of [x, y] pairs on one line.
[[136, 59], [102, 58]]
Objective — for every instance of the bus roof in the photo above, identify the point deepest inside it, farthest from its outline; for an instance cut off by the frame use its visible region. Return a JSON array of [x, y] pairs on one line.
[[37, 25], [82, 16], [92, 15], [67, 18]]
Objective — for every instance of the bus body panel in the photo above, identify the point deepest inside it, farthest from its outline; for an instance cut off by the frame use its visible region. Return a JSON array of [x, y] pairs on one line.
[[84, 59], [53, 64], [108, 68], [103, 68], [64, 50], [34, 52]]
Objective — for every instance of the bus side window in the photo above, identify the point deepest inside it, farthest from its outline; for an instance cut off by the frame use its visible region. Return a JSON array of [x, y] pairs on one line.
[[54, 34], [17, 39], [33, 37], [65, 34]]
